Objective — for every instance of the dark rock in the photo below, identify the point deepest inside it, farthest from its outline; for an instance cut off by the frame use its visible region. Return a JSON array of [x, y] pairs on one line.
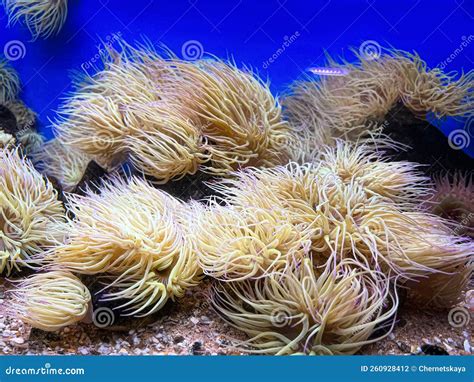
[[401, 323], [433, 350], [403, 347], [197, 349], [92, 179], [428, 145], [190, 187], [178, 339], [8, 121], [57, 186]]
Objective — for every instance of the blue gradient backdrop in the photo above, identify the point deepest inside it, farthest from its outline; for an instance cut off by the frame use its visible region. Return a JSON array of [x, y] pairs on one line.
[[251, 31]]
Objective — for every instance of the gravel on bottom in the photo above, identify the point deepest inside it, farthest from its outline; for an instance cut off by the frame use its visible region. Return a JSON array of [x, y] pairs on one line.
[[190, 326]]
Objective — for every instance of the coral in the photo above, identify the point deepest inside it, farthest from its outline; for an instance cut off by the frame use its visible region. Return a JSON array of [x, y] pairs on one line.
[[173, 118], [135, 236], [30, 210], [353, 106], [50, 301], [9, 82], [61, 162], [303, 309], [43, 18]]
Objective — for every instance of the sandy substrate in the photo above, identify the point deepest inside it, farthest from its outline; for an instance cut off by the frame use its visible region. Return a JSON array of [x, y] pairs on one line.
[[191, 327]]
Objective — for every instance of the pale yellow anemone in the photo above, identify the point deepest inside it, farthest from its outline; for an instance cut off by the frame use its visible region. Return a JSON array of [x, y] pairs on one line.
[[172, 118], [134, 235], [43, 18], [30, 211], [303, 309], [50, 301]]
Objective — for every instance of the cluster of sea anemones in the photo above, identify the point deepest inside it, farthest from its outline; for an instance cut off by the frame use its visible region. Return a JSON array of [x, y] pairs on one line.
[[43, 18], [170, 117], [353, 106], [315, 240], [305, 258]]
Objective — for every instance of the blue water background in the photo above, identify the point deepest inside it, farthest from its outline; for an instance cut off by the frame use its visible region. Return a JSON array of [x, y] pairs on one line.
[[250, 31]]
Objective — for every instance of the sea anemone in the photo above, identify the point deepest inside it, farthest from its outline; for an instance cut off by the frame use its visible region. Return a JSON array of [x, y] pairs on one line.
[[238, 116], [30, 210], [172, 118], [30, 141], [168, 147], [43, 18], [352, 206], [135, 236], [399, 181], [454, 199], [117, 114], [353, 106], [9, 82], [443, 289], [25, 117], [61, 162], [446, 257], [237, 245], [50, 301], [304, 309]]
